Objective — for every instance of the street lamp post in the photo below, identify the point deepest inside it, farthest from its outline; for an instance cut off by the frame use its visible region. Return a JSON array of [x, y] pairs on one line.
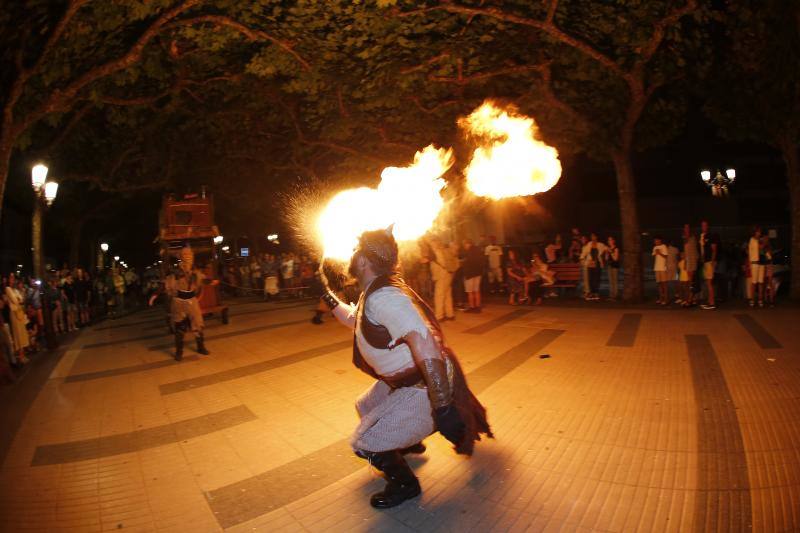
[[718, 183], [44, 194]]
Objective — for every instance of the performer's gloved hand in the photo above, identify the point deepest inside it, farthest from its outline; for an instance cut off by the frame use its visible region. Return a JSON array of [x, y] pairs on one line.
[[330, 300], [449, 423]]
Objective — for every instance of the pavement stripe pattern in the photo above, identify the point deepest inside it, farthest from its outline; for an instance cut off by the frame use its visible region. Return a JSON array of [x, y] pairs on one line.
[[722, 501], [88, 376], [260, 494], [249, 370], [249, 312], [497, 322], [236, 333], [758, 332], [624, 334], [82, 450]]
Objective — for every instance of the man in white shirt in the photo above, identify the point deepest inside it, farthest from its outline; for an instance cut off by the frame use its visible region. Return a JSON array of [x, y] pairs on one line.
[[756, 267], [495, 255], [660, 254]]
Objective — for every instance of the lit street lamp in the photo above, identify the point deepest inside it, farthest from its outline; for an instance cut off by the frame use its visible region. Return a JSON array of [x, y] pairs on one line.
[[719, 183], [44, 195], [101, 257]]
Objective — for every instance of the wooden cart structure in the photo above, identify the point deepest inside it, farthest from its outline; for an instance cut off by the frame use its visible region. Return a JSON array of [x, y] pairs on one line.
[[190, 221]]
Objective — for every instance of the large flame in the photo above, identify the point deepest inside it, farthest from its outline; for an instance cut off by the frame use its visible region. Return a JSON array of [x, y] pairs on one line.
[[510, 160], [408, 197]]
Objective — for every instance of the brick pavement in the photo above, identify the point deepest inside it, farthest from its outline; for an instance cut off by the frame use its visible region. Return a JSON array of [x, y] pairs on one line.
[[640, 420]]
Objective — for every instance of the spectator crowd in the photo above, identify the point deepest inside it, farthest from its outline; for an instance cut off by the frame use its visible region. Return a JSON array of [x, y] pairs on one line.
[[75, 298], [693, 269]]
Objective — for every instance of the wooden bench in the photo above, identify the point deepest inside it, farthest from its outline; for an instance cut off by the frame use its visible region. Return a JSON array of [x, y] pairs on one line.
[[568, 275]]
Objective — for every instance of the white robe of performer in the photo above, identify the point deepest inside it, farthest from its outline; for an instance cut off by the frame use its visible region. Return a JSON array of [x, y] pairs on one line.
[[391, 419]]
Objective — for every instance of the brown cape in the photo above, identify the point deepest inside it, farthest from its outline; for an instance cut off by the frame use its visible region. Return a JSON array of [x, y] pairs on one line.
[[472, 412]]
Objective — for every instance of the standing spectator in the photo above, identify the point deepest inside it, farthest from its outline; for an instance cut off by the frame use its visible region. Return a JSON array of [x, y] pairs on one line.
[[754, 255], [515, 271], [495, 255], [287, 272], [84, 297], [660, 268], [612, 262], [256, 274], [592, 257], [131, 286], [119, 290], [424, 281], [270, 270], [684, 285], [306, 276], [54, 294], [709, 250], [473, 272], [81, 288], [443, 264], [18, 317], [553, 250], [690, 255], [769, 270], [672, 270], [244, 278], [99, 296], [585, 287], [33, 298], [6, 342], [68, 287]]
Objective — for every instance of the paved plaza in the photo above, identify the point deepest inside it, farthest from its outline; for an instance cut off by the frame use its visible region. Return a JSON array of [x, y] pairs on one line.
[[605, 419]]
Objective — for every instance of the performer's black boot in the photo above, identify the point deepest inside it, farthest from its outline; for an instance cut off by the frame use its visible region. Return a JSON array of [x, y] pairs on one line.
[[401, 484], [178, 343], [201, 346], [416, 449], [317, 318]]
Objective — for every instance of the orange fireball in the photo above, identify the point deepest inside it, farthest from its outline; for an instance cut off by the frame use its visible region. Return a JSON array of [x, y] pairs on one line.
[[509, 160]]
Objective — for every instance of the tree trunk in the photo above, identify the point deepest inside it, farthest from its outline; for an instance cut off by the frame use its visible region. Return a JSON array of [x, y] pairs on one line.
[[633, 290], [75, 245], [6, 148], [792, 160]]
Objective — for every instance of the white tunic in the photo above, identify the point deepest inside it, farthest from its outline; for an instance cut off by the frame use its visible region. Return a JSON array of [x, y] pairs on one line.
[[394, 310]]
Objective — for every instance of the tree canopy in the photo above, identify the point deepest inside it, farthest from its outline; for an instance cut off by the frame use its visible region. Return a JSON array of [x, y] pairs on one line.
[[251, 97]]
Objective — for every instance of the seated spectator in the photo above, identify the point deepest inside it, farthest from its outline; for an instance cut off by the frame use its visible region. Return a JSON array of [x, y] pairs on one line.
[[539, 276], [553, 250]]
